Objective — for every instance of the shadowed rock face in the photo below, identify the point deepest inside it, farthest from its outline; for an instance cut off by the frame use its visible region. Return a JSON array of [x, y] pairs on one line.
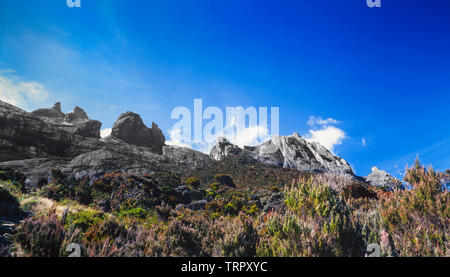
[[54, 112], [131, 129], [24, 135], [76, 122], [287, 151], [36, 142]]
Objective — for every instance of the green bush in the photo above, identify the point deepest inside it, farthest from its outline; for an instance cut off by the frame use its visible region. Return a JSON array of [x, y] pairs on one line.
[[133, 213], [83, 220], [317, 223], [417, 220]]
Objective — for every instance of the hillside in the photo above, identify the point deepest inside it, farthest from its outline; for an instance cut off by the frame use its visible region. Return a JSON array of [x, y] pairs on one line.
[[160, 215]]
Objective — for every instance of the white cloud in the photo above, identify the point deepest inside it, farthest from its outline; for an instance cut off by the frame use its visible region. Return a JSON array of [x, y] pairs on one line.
[[105, 132], [21, 94], [364, 142], [318, 121], [329, 137], [325, 134]]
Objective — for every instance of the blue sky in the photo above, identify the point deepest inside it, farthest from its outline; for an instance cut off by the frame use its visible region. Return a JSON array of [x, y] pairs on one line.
[[382, 73]]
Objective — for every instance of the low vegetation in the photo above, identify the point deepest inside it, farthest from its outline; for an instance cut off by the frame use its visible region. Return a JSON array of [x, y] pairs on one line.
[[217, 214]]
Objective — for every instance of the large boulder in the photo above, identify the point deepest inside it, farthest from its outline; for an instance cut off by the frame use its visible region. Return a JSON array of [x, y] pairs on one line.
[[382, 179], [130, 128]]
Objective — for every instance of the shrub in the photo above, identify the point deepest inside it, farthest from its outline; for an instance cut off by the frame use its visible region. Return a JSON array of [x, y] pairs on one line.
[[240, 238], [83, 220], [417, 219], [359, 191], [9, 206], [41, 236], [193, 182], [54, 191], [316, 223], [108, 228], [133, 213], [9, 174]]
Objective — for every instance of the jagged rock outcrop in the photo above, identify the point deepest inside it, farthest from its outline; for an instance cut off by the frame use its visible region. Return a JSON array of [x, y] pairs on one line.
[[36, 142], [76, 122], [131, 129], [24, 135], [53, 112], [287, 151], [77, 115], [380, 178], [224, 148]]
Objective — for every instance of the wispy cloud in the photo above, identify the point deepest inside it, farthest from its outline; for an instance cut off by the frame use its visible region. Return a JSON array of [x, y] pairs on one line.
[[23, 94], [318, 121], [324, 133]]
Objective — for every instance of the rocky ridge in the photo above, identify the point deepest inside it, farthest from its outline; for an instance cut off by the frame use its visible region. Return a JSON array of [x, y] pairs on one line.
[[36, 142]]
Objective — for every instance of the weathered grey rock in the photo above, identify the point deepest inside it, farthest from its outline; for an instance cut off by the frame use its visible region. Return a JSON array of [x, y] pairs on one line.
[[78, 114], [224, 148], [131, 129], [185, 194], [380, 178], [271, 201], [288, 151], [53, 112], [76, 122], [197, 205], [24, 135], [185, 157], [36, 144]]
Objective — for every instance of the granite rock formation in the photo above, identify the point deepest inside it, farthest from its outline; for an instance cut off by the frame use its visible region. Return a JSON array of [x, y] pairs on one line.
[[131, 129], [287, 151], [380, 178], [36, 142]]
